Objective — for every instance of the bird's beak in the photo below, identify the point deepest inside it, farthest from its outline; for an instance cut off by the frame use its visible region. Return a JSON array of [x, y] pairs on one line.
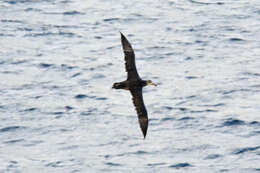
[[154, 84]]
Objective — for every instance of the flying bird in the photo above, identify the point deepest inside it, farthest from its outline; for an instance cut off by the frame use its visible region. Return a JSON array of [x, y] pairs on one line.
[[134, 84]]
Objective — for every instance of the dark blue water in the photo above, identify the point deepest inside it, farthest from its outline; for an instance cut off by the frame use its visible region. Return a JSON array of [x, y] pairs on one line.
[[60, 58]]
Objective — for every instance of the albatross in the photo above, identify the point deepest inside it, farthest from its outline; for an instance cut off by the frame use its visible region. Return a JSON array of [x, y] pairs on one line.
[[134, 84]]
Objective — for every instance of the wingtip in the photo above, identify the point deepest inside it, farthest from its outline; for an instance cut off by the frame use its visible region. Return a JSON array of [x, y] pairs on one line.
[[144, 133], [144, 136], [126, 44], [122, 35], [144, 126]]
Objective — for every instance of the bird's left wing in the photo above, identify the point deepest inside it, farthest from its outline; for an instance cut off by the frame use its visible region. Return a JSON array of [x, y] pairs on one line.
[[140, 109], [129, 59]]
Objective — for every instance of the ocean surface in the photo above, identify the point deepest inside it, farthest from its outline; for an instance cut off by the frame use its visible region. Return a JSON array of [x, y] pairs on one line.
[[59, 59]]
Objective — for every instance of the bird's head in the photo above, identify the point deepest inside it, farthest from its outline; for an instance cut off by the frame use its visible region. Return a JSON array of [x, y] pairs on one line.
[[149, 82]]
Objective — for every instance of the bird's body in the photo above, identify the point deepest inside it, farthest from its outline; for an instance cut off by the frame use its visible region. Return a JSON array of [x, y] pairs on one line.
[[134, 84], [127, 84]]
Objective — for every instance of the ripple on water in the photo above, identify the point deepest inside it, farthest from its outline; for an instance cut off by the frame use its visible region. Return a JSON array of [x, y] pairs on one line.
[[213, 156], [191, 77], [232, 122], [113, 164], [101, 98], [45, 65], [19, 62], [71, 147], [33, 143], [201, 111], [237, 91], [30, 109], [58, 113], [32, 9], [182, 109], [186, 118], [251, 74], [168, 107], [140, 152], [11, 128], [236, 39], [111, 19], [89, 111], [67, 67], [168, 119], [206, 3], [215, 105], [83, 96], [98, 37], [72, 13], [6, 35], [55, 164], [80, 96], [76, 74], [155, 164], [68, 108], [98, 76], [246, 149], [12, 164], [43, 34], [255, 123], [11, 21], [14, 141], [224, 170], [180, 165]]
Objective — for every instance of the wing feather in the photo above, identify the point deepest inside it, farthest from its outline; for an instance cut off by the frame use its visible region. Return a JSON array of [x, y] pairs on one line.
[[129, 59], [137, 97]]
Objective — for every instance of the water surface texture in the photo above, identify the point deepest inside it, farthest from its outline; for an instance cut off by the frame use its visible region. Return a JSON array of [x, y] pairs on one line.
[[59, 59]]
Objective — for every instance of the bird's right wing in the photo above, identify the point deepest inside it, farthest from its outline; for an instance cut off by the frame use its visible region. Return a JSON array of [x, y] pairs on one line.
[[129, 59], [140, 108]]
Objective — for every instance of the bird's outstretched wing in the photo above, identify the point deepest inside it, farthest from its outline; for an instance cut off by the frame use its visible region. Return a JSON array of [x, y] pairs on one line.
[[140, 109], [129, 59]]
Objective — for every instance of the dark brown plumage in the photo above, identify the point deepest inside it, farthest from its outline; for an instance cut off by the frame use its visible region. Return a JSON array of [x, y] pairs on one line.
[[134, 84]]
